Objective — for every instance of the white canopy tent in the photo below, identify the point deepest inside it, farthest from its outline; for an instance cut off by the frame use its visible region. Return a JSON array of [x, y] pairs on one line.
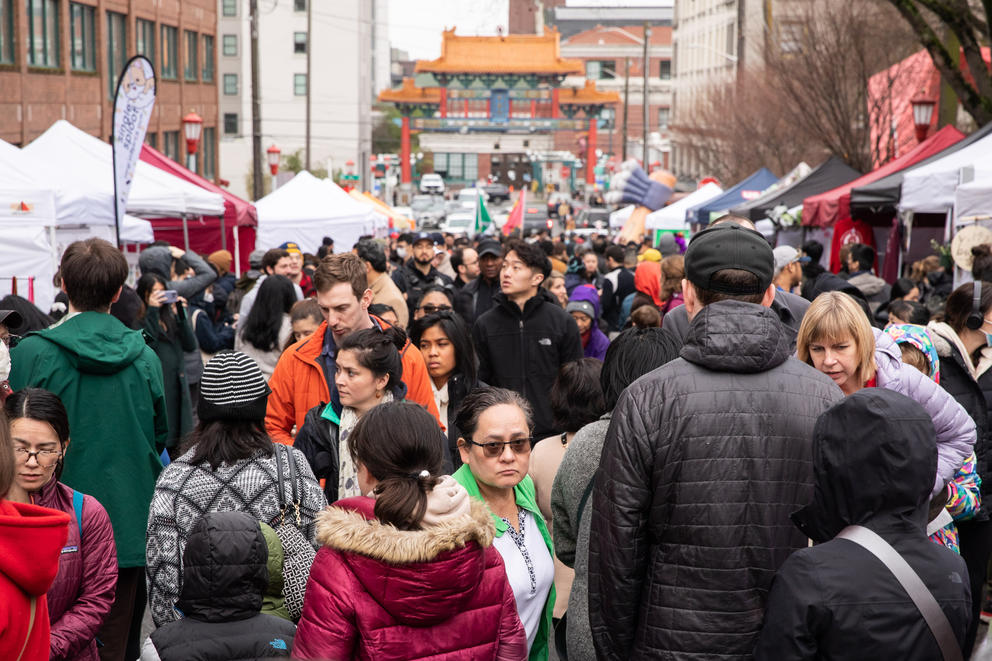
[[72, 205], [930, 188], [620, 216], [26, 254], [72, 155], [973, 201], [673, 217], [305, 209]]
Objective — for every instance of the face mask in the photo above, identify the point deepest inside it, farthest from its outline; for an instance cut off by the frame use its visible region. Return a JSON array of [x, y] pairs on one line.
[[4, 362], [401, 252], [208, 296], [988, 339]]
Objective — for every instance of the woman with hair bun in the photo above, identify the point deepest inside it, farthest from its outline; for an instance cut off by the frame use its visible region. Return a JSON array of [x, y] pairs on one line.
[[369, 372], [407, 571]]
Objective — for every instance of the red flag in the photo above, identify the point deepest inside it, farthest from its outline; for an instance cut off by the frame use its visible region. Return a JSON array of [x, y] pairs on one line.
[[516, 217]]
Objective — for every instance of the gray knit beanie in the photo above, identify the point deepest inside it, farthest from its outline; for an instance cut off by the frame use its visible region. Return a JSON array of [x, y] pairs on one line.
[[232, 388]]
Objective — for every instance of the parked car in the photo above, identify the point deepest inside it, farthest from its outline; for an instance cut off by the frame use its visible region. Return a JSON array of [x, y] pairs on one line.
[[466, 197], [597, 217], [461, 222], [428, 211], [535, 220], [497, 192], [432, 183]]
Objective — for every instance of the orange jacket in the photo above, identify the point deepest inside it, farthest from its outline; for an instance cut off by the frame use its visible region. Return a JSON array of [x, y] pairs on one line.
[[298, 384]]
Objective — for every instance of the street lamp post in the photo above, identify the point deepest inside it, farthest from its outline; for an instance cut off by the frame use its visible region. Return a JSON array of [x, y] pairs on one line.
[[192, 126], [922, 114], [272, 156]]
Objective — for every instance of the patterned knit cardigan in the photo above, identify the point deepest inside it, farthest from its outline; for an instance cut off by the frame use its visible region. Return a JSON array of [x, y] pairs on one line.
[[184, 493]]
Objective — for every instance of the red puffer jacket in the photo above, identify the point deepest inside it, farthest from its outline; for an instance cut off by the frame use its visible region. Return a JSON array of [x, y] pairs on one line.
[[376, 592], [31, 539], [83, 592]]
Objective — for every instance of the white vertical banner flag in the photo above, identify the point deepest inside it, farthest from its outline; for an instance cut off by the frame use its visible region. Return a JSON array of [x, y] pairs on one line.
[[132, 109]]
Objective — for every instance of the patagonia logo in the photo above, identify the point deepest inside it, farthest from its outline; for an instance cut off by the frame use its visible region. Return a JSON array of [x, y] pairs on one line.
[[545, 341], [70, 549], [278, 644]]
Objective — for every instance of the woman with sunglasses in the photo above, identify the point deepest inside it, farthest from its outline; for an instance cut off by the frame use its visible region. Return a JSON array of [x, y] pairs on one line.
[[83, 592], [495, 447], [435, 299]]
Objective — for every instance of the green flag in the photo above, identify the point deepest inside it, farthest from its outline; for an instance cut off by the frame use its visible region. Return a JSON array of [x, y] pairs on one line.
[[482, 219]]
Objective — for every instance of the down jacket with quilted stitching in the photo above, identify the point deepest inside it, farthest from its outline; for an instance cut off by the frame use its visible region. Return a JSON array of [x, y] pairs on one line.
[[705, 459]]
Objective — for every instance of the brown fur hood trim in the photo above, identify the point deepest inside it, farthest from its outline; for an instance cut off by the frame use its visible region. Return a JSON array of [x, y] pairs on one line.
[[349, 531]]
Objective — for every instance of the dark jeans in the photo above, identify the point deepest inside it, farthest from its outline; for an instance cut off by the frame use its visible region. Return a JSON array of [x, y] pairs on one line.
[[121, 631], [976, 547]]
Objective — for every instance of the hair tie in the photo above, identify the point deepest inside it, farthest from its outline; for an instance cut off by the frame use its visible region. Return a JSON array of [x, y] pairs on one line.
[[422, 475]]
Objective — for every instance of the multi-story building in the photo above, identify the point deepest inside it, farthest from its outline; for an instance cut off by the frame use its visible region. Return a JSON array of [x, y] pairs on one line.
[[341, 84], [613, 56], [59, 59], [715, 42]]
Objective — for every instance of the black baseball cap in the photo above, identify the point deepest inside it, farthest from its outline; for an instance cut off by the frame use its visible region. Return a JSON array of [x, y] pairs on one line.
[[10, 318], [729, 246], [489, 247], [424, 236]]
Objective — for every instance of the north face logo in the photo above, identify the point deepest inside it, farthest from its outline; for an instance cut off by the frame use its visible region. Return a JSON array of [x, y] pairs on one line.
[[278, 644], [545, 341]]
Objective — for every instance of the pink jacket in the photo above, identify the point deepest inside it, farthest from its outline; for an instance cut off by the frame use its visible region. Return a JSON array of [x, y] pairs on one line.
[[80, 598], [376, 592]]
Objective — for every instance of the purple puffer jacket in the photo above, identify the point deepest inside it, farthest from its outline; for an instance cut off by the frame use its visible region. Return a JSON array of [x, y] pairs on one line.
[[598, 342], [80, 598], [955, 428]]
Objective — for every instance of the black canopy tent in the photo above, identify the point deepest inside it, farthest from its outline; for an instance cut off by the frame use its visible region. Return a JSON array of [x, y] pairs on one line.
[[828, 175]]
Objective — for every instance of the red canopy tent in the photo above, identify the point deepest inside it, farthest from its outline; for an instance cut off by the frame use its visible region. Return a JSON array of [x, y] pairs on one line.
[[825, 209], [238, 223]]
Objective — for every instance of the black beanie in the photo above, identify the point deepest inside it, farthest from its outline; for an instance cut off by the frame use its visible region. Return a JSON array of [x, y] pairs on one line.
[[232, 388]]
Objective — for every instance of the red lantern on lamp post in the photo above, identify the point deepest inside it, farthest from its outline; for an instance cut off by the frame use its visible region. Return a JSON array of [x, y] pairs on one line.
[[922, 114], [192, 126], [272, 155]]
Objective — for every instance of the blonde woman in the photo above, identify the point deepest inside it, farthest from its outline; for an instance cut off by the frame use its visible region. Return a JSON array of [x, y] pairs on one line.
[[836, 338]]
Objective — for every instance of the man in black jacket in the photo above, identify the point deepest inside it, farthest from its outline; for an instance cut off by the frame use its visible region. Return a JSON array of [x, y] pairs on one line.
[[476, 298], [618, 283], [526, 336], [704, 460], [419, 274], [874, 461]]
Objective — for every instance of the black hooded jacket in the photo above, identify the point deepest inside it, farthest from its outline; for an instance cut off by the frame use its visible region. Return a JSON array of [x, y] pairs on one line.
[[874, 462], [224, 578], [704, 461], [523, 349]]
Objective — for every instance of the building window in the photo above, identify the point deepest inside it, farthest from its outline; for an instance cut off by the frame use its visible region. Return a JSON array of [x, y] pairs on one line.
[[230, 84], [208, 59], [116, 48], [300, 84], [459, 166], [229, 44], [151, 139], [170, 144], [663, 116], [299, 5], [665, 69], [230, 123], [600, 69], [6, 31], [82, 39], [144, 38], [191, 64], [43, 33], [208, 147], [790, 37], [299, 42], [169, 70], [230, 8]]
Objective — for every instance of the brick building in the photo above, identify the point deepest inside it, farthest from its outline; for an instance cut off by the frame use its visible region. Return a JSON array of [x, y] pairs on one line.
[[606, 53], [59, 59]]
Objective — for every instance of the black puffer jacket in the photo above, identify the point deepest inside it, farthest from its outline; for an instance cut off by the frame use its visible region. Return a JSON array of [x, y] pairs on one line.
[[523, 349], [874, 461], [224, 578], [704, 461], [789, 308]]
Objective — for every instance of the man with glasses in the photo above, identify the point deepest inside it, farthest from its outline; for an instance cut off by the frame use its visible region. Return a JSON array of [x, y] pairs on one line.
[[110, 382], [526, 336]]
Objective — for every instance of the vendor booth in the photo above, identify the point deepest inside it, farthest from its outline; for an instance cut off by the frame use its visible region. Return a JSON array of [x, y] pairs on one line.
[[306, 209], [831, 173], [674, 216]]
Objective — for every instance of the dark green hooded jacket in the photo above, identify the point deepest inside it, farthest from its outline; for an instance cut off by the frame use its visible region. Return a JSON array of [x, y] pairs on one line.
[[111, 385]]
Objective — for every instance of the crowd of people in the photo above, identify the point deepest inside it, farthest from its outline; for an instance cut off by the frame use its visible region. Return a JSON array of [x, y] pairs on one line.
[[434, 447]]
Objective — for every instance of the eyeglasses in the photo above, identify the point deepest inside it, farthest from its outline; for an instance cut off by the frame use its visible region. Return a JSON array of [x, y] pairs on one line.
[[495, 448], [45, 458], [431, 309], [10, 340]]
